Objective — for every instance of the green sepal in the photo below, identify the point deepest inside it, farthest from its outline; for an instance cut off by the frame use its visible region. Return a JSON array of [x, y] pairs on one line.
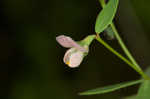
[[87, 40]]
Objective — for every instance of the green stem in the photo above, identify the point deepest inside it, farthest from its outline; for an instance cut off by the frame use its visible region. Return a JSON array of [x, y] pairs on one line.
[[102, 2], [120, 56], [124, 47]]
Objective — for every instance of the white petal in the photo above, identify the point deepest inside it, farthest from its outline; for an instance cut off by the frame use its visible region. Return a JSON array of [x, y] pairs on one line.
[[75, 59], [68, 54]]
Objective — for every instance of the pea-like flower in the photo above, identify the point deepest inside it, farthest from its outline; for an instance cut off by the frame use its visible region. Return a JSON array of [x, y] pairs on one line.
[[78, 50]]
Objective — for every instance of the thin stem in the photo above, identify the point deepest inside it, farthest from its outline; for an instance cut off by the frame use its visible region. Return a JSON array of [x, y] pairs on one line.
[[124, 47], [102, 2], [126, 51], [120, 56]]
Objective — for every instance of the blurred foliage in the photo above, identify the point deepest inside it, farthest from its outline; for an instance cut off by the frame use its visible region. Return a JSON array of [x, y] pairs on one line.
[[141, 8], [143, 92], [31, 59]]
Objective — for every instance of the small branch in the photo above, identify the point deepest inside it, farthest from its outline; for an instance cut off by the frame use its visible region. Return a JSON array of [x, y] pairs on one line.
[[121, 57]]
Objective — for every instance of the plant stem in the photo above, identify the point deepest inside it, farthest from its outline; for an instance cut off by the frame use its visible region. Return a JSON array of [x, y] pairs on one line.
[[120, 56], [124, 47], [102, 2], [126, 51]]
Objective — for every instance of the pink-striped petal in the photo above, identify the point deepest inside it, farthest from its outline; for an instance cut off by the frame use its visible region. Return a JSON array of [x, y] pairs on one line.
[[67, 42]]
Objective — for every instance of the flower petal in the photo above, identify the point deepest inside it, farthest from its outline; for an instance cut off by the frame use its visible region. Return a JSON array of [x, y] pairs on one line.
[[68, 54], [80, 48], [67, 42], [73, 57], [76, 59]]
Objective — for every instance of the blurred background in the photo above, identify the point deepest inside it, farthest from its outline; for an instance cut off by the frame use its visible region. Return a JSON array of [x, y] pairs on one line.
[[31, 59]]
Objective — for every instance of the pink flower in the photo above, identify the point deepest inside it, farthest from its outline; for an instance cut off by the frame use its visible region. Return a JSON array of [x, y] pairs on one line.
[[73, 56]]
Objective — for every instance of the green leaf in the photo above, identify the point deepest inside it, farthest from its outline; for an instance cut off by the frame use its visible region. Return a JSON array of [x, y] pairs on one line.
[[110, 88], [144, 90], [106, 16], [109, 32]]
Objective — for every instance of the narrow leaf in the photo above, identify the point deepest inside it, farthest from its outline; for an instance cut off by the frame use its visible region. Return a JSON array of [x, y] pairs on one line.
[[144, 90], [110, 88], [108, 31], [106, 16]]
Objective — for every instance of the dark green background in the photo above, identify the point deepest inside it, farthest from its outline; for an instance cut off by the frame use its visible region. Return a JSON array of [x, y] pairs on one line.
[[31, 59]]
